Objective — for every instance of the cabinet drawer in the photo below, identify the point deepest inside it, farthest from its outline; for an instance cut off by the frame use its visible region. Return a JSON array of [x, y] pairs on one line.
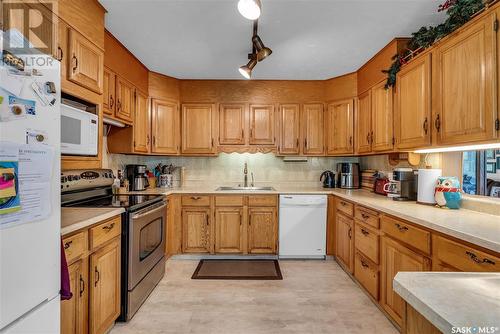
[[104, 232], [367, 274], [195, 200], [413, 236], [262, 200], [229, 200], [75, 246], [463, 257], [366, 216], [345, 207], [367, 241]]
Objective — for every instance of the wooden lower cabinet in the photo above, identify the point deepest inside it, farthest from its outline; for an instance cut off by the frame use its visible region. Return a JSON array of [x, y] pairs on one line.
[[262, 230], [415, 323], [196, 230], [74, 312], [396, 257], [345, 242], [366, 272], [229, 230]]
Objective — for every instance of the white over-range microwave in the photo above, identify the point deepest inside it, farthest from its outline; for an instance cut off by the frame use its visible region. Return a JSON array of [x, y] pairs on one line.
[[79, 131]]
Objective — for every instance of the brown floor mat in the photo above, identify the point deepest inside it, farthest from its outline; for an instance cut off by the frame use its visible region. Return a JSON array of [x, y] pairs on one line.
[[238, 270]]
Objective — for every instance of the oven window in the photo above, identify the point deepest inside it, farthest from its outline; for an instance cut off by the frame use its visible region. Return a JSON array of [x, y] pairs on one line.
[[151, 237], [71, 130]]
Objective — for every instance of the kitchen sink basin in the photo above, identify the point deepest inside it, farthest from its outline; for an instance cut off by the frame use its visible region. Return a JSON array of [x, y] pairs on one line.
[[245, 189]]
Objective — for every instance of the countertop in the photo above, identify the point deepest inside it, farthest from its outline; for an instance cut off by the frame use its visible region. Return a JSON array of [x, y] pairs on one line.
[[478, 228], [450, 300], [74, 219]]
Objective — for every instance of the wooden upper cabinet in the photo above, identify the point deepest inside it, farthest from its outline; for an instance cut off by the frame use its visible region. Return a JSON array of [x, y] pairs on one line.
[[142, 121], [262, 230], [412, 114], [232, 124], [124, 100], [198, 129], [165, 127], [74, 311], [196, 230], [262, 124], [340, 127], [86, 62], [382, 118], [464, 68], [395, 258], [313, 127], [345, 242], [228, 230], [108, 96], [62, 53], [289, 129], [105, 277], [364, 123]]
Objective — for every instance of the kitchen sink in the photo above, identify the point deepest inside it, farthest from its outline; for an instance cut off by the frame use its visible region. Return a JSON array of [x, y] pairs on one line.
[[245, 189]]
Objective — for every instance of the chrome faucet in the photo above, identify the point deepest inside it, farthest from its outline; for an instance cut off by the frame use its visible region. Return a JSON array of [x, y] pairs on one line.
[[245, 176]]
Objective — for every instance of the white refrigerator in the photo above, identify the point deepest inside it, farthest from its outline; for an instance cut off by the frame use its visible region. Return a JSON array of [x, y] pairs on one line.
[[30, 237]]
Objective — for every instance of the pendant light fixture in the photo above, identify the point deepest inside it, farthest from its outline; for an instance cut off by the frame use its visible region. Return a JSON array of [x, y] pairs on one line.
[[246, 70], [259, 53], [262, 51], [250, 9]]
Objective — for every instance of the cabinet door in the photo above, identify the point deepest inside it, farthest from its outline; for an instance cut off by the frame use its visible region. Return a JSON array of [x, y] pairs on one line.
[[232, 124], [108, 96], [364, 123], [289, 129], [74, 311], [62, 48], [87, 62], [125, 99], [197, 129], [142, 121], [105, 276], [196, 230], [262, 124], [345, 244], [340, 128], [395, 258], [412, 115], [262, 230], [382, 118], [313, 127], [228, 230], [165, 127], [463, 86]]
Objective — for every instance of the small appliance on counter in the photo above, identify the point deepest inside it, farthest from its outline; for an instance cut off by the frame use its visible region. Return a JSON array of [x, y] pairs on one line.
[[137, 177], [427, 179], [379, 184], [349, 175], [329, 179], [406, 184]]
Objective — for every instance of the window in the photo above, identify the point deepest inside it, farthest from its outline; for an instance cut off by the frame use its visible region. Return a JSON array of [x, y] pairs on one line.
[[481, 172]]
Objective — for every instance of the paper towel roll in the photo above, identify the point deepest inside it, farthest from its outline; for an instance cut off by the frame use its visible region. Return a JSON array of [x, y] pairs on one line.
[[426, 183]]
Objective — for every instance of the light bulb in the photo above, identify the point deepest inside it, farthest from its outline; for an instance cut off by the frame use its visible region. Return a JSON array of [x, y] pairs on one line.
[[250, 9]]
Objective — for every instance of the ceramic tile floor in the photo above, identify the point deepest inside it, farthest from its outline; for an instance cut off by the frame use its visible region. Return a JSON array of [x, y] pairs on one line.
[[313, 297]]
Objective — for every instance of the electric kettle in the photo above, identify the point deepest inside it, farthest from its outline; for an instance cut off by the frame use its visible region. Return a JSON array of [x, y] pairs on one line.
[[329, 179]]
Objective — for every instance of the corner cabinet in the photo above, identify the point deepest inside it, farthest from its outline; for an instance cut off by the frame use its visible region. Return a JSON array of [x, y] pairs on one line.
[[412, 114], [464, 95], [198, 129], [340, 128]]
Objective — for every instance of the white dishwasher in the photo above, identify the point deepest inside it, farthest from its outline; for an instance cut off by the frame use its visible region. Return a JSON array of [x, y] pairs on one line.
[[302, 226]]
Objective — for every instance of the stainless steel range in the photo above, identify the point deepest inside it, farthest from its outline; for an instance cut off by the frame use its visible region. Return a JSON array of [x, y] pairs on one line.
[[143, 231]]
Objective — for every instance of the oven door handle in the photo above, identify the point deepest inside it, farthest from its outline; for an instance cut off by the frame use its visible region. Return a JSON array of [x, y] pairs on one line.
[[149, 212]]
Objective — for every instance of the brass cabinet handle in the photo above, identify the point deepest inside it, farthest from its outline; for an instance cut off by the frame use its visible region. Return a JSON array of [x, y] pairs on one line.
[[476, 259], [75, 66], [401, 228], [67, 244], [109, 227], [426, 125], [82, 285], [98, 276], [111, 101], [350, 233], [195, 198], [437, 123], [365, 232], [60, 52]]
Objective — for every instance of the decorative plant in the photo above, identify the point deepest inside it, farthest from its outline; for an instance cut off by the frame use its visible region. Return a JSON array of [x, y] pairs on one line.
[[458, 11]]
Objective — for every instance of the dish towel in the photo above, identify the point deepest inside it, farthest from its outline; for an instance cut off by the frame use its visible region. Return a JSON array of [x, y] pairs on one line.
[[65, 283]]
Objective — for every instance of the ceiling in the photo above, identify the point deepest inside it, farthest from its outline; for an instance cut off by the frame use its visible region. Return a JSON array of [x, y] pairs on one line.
[[310, 39]]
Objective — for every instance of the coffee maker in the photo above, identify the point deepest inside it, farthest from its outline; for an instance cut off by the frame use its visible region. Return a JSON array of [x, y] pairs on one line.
[[136, 176], [406, 181], [349, 175]]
